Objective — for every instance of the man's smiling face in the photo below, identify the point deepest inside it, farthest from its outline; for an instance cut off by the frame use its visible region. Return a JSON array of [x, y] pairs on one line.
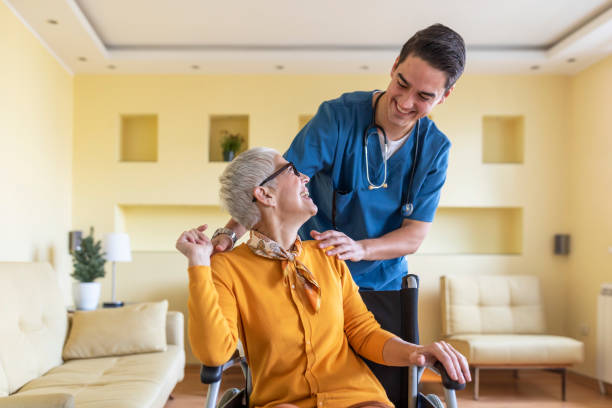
[[415, 88]]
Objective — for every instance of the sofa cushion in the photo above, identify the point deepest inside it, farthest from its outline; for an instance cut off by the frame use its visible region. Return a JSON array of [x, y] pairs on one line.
[[500, 304], [38, 401], [33, 323], [517, 349], [138, 328], [133, 381]]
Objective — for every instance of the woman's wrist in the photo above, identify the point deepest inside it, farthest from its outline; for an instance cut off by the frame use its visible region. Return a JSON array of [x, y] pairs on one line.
[[199, 260], [410, 349]]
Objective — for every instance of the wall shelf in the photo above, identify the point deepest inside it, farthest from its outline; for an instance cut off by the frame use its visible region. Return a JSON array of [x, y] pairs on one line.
[[475, 230], [157, 227], [219, 125], [138, 138], [503, 139]]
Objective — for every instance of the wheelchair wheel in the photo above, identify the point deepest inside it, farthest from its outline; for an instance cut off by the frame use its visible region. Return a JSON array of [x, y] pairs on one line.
[[227, 397], [434, 401]]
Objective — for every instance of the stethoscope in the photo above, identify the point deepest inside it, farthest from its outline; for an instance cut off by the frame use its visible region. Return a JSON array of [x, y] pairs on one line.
[[409, 207]]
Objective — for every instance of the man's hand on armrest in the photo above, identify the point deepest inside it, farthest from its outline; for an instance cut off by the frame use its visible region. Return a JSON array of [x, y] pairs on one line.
[[37, 401]]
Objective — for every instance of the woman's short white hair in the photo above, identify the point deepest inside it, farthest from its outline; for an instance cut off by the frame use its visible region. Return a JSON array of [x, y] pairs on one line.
[[239, 178]]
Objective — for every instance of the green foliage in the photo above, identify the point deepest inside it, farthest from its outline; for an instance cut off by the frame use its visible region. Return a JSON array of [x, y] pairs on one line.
[[88, 261], [231, 142]]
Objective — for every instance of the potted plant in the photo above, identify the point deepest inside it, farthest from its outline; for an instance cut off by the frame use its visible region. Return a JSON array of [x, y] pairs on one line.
[[88, 261], [230, 144]]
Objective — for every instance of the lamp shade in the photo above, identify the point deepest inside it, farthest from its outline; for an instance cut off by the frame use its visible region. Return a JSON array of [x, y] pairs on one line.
[[117, 247]]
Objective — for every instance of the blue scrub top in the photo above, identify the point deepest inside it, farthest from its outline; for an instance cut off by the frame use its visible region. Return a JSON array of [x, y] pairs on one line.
[[329, 150]]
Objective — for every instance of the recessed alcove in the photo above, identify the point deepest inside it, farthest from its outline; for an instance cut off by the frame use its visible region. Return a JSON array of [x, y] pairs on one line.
[[138, 138], [503, 139], [157, 227], [303, 120], [220, 127], [475, 230]]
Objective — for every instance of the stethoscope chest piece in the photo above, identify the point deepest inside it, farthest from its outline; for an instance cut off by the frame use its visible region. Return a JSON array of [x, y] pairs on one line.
[[408, 209]]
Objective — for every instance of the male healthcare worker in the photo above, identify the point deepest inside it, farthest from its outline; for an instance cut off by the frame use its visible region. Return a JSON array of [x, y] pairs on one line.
[[377, 164]]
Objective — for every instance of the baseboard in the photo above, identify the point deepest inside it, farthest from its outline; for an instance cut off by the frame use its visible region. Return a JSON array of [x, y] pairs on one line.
[[588, 381]]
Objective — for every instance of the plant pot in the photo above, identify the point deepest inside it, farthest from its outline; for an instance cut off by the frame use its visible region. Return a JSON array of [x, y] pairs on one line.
[[229, 155], [86, 295]]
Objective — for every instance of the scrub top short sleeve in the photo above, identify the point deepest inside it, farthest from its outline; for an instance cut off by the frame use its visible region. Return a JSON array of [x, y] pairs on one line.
[[428, 196], [314, 147]]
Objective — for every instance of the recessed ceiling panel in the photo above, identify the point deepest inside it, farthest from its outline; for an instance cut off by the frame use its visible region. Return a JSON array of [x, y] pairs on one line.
[[517, 23], [313, 37]]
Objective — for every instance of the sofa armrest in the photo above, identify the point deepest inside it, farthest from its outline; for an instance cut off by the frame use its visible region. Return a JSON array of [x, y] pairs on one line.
[[175, 329], [37, 401]]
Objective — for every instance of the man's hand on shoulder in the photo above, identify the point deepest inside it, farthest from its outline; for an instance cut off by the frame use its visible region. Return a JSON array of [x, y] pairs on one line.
[[342, 245], [221, 243]]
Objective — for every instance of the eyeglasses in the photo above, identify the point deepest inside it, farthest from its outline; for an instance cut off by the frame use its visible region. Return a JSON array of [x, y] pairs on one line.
[[278, 173]]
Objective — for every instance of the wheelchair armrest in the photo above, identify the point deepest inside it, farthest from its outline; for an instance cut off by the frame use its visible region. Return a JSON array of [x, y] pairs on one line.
[[447, 382], [209, 375]]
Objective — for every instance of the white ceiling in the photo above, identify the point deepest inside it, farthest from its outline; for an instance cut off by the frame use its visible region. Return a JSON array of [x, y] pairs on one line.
[[316, 36]]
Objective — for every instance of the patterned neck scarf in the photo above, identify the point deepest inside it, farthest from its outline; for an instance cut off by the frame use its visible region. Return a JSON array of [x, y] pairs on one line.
[[308, 288]]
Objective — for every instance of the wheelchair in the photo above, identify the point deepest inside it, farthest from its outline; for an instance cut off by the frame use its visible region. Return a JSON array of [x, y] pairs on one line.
[[397, 312]]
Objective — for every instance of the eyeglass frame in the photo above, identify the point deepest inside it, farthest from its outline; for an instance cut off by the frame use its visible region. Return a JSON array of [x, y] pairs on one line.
[[278, 173]]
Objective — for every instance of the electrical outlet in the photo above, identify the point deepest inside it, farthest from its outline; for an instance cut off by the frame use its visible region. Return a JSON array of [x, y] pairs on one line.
[[584, 330]]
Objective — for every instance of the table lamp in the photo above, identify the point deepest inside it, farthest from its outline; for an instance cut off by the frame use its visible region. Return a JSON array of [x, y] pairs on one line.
[[117, 249]]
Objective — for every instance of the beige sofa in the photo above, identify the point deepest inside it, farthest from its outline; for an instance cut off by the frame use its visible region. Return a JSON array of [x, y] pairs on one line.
[[99, 362], [498, 322]]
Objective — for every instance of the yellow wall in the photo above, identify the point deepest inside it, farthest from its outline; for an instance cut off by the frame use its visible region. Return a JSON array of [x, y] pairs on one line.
[[35, 152], [181, 187], [566, 136], [144, 198], [590, 163], [538, 186]]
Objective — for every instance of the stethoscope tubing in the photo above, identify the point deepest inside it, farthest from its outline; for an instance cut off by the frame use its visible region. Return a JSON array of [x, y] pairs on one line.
[[409, 208]]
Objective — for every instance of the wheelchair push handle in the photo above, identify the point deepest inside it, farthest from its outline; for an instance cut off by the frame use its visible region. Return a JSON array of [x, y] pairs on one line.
[[212, 374], [447, 382], [410, 308], [410, 281]]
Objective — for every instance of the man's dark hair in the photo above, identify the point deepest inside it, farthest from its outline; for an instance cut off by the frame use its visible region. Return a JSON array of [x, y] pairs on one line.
[[440, 47]]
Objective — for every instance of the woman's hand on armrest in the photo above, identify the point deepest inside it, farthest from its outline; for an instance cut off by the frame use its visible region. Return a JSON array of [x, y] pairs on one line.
[[455, 363], [397, 352], [196, 246]]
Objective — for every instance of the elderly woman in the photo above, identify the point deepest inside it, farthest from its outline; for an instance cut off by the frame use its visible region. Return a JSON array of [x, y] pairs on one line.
[[296, 310]]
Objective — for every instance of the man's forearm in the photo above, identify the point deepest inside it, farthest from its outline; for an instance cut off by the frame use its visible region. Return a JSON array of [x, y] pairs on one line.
[[402, 241], [236, 227]]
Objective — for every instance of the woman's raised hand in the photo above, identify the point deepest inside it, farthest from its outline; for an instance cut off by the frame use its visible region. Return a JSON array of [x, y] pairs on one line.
[[195, 245]]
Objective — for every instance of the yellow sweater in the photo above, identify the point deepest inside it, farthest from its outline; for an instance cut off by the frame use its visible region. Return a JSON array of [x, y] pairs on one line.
[[296, 356]]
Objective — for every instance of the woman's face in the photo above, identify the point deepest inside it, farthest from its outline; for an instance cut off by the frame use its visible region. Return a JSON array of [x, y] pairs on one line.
[[292, 198]]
